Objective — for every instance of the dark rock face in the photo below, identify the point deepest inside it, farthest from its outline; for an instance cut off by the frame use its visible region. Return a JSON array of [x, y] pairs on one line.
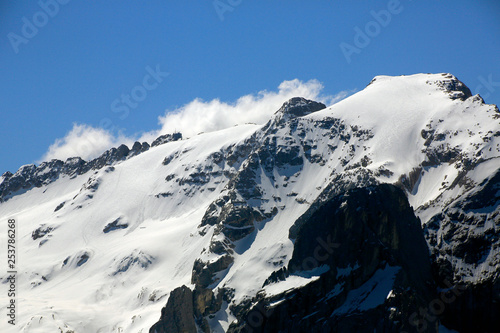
[[379, 214], [109, 157], [475, 308], [41, 231], [60, 206], [178, 314], [455, 88], [82, 259], [362, 235], [465, 238], [138, 148], [115, 225], [30, 176], [136, 259], [186, 309], [204, 273], [299, 107], [166, 138]]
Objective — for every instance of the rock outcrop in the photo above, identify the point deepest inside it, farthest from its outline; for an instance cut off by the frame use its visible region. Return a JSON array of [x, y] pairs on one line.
[[465, 243], [365, 241]]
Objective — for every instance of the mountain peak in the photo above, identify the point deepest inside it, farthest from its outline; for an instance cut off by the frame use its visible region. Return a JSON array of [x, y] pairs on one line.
[[446, 82], [297, 107]]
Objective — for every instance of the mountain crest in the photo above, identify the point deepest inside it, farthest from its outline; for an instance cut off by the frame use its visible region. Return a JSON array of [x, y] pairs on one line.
[[30, 176], [297, 107]]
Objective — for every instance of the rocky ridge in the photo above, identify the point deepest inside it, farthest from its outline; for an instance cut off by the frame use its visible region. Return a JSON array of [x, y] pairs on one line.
[[29, 176]]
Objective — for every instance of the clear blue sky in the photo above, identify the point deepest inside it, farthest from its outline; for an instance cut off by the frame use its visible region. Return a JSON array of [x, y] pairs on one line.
[[91, 52]]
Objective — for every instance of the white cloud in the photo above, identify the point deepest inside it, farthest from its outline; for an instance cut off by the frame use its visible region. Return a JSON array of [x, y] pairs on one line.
[[83, 141], [207, 116], [195, 117]]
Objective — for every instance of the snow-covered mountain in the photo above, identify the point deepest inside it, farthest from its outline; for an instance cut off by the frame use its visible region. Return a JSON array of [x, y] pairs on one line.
[[349, 218]]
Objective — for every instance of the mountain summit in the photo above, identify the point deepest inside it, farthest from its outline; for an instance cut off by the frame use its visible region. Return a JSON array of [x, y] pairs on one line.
[[378, 213], [297, 107]]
